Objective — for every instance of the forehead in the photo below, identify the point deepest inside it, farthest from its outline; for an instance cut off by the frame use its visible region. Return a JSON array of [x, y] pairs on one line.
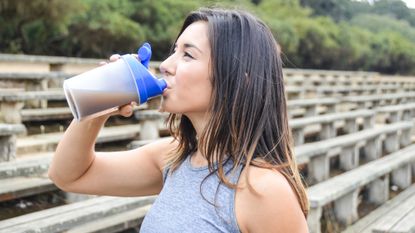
[[196, 33]]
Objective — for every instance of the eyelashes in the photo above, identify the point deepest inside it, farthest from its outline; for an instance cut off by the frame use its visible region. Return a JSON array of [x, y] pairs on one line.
[[186, 54]]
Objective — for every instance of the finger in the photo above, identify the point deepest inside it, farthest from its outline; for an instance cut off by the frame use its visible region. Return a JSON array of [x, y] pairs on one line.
[[126, 110], [103, 63], [115, 57]]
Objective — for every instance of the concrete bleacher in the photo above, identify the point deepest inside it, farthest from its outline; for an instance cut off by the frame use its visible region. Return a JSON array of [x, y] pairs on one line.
[[327, 125], [33, 81], [394, 216], [317, 154], [8, 133], [344, 189], [352, 131], [85, 216]]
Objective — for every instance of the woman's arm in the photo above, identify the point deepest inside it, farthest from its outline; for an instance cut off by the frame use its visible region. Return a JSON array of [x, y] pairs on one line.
[[76, 167]]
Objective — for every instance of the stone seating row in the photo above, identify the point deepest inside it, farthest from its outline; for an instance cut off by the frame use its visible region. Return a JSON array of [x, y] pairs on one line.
[[343, 190], [55, 113], [299, 92], [151, 123], [403, 81], [316, 154], [42, 64], [327, 125], [33, 81], [311, 107], [48, 141], [92, 215], [36, 63], [316, 106], [54, 80], [44, 81], [12, 63], [150, 126], [395, 216], [308, 77], [302, 76], [395, 113], [358, 90], [374, 142], [12, 103], [34, 165], [17, 187], [374, 101], [22, 63], [8, 134]]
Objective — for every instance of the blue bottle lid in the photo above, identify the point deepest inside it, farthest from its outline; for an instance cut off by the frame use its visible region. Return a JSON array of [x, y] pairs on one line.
[[144, 53], [146, 84]]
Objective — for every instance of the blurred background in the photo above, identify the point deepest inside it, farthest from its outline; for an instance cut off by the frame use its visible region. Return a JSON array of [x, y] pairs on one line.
[[370, 35], [349, 75]]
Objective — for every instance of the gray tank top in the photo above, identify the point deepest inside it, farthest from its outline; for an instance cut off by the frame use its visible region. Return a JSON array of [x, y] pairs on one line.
[[180, 206]]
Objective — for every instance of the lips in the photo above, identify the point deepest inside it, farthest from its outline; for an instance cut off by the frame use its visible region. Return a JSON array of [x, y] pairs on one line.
[[167, 88], [165, 91]]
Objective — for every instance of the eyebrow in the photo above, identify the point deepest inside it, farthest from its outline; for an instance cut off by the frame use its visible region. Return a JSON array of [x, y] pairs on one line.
[[189, 45]]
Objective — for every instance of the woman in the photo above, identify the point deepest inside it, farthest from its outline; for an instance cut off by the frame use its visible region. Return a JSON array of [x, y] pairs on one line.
[[230, 166]]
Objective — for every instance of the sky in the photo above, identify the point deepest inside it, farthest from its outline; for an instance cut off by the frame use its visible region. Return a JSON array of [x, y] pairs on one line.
[[410, 3]]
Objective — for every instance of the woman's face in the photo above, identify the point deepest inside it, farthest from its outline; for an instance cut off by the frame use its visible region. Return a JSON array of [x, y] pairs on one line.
[[187, 73]]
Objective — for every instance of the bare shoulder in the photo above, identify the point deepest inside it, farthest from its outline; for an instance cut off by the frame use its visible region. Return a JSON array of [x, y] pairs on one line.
[[160, 149], [270, 206]]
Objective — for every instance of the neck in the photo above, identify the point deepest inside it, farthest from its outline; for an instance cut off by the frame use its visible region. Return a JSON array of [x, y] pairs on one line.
[[199, 122]]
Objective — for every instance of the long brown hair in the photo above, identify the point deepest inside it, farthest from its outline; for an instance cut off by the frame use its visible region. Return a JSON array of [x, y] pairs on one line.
[[249, 120]]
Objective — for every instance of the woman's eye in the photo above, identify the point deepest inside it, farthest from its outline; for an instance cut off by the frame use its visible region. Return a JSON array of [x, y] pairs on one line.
[[188, 55]]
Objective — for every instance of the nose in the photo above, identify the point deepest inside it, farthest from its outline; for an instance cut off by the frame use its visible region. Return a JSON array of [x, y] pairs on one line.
[[167, 67]]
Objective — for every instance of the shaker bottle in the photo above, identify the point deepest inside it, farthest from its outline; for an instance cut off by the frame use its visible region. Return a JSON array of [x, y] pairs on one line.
[[101, 90]]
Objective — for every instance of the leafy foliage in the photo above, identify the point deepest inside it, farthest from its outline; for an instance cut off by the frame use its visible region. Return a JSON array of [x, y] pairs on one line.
[[319, 34]]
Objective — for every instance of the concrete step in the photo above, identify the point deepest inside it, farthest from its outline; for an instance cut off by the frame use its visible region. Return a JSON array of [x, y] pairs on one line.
[[365, 224], [56, 113], [114, 223], [49, 141], [38, 114], [73, 215], [32, 165], [18, 187]]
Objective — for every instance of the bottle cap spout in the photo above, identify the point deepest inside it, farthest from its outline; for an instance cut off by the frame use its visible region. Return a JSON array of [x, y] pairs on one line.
[[144, 54], [146, 84], [162, 84]]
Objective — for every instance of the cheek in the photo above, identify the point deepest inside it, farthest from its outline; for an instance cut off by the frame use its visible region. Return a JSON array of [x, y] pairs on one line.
[[195, 88]]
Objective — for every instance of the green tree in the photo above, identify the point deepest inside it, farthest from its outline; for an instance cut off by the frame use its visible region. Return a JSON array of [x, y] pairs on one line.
[[394, 8], [102, 28], [336, 9], [33, 26], [391, 53], [161, 21], [378, 23]]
